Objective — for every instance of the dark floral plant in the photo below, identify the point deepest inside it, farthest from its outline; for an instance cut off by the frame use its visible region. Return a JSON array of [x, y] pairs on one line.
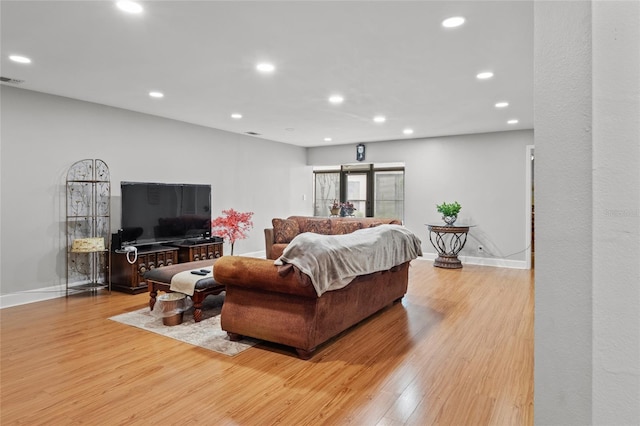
[[347, 205], [347, 208]]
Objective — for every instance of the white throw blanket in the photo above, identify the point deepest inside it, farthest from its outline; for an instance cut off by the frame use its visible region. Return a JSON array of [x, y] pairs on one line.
[[185, 282], [333, 261]]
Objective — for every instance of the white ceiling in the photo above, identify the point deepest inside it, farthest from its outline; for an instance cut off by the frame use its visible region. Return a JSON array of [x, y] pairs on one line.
[[385, 57]]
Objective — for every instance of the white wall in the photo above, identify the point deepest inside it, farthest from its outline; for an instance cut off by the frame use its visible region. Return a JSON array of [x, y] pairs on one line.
[[587, 125], [42, 135], [616, 212], [563, 237], [485, 173]]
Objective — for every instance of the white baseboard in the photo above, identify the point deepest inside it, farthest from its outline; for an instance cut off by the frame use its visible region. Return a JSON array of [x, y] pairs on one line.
[[46, 293], [471, 260], [31, 296], [491, 261], [484, 261]]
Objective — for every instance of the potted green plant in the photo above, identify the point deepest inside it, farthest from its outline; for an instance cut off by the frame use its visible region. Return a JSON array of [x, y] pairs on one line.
[[449, 211]]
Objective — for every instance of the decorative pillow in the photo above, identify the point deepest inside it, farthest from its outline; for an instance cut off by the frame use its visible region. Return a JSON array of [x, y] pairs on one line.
[[346, 227], [318, 226], [284, 230]]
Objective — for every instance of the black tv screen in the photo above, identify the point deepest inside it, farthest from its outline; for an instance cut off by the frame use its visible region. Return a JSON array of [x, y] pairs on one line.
[[164, 212]]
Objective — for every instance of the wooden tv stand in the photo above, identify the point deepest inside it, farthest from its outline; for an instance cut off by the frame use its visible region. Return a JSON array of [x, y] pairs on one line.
[[128, 278], [201, 251]]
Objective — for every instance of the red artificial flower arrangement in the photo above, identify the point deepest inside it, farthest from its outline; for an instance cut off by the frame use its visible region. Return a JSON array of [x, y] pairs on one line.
[[232, 226]]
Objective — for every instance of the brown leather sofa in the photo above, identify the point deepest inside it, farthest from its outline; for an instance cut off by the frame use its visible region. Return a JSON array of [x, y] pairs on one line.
[[284, 230], [279, 304]]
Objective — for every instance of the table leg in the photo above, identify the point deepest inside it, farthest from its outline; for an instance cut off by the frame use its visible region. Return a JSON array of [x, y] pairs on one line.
[[198, 300], [153, 292], [448, 261]]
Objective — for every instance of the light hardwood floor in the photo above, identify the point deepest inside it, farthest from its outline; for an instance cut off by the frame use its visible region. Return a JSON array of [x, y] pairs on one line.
[[458, 350]]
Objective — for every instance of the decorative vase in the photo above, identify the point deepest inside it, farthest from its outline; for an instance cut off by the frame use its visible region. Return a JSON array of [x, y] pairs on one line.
[[450, 220], [335, 211]]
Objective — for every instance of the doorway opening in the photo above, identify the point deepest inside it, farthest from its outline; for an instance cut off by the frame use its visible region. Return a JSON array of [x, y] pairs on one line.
[[530, 206]]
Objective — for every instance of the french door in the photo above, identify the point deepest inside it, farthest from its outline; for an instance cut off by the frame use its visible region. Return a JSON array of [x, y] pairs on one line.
[[356, 188], [374, 191]]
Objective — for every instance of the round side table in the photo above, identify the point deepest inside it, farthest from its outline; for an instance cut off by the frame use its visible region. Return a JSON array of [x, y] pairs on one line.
[[448, 240]]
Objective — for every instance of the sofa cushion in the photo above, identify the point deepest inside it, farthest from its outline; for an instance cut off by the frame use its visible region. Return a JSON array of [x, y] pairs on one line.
[[342, 228], [284, 230], [318, 226]]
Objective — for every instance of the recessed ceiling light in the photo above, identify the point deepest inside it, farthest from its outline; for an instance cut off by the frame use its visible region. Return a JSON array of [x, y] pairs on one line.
[[502, 104], [484, 75], [408, 131], [156, 94], [514, 121], [336, 99], [129, 6], [379, 119], [20, 59], [453, 22], [265, 67], [328, 139], [236, 116]]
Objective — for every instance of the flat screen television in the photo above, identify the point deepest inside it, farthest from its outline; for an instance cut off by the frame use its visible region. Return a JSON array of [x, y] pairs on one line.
[[155, 213]]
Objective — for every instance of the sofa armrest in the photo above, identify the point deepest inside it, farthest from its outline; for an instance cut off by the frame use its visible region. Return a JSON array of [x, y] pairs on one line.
[[268, 241], [262, 274]]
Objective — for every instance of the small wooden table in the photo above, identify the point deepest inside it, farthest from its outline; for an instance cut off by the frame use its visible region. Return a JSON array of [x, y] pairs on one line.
[[448, 240], [160, 279]]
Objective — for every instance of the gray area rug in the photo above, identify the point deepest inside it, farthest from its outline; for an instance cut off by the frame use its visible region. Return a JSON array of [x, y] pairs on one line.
[[205, 334]]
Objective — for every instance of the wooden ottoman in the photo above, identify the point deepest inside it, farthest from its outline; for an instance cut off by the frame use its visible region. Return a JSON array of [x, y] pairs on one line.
[[160, 279]]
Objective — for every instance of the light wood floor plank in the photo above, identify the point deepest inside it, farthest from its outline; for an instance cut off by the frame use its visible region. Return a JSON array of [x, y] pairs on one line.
[[458, 350]]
